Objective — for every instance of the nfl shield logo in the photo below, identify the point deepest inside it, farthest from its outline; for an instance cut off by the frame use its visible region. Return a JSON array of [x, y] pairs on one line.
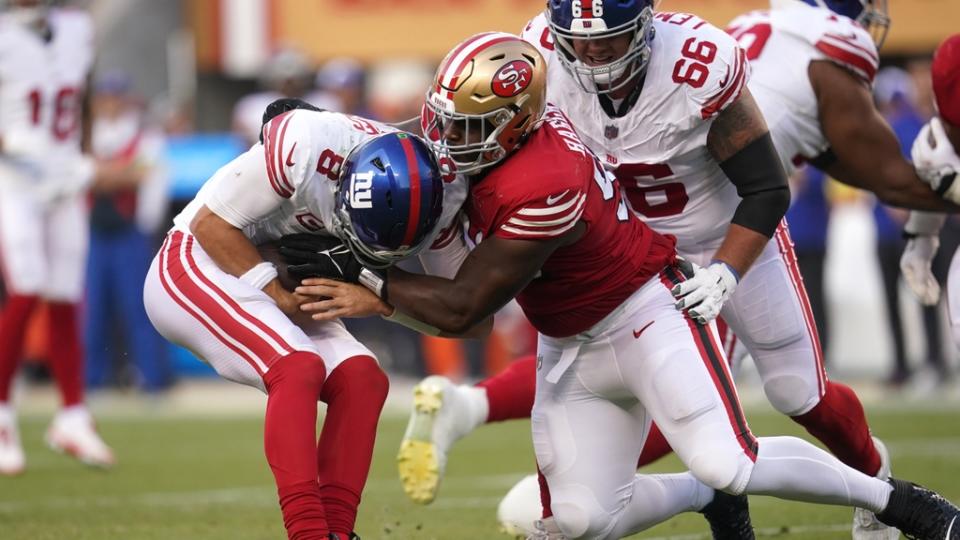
[[611, 132]]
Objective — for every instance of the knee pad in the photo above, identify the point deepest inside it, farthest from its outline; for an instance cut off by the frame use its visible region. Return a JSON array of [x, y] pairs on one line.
[[791, 394], [579, 515], [765, 311], [724, 469]]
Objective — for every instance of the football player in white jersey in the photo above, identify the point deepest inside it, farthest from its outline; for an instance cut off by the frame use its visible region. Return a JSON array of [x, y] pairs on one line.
[[210, 290], [45, 59]]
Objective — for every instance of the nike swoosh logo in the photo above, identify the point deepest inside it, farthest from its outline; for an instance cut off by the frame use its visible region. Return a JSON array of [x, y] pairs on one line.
[[554, 198], [725, 79], [290, 155], [950, 528], [636, 333]]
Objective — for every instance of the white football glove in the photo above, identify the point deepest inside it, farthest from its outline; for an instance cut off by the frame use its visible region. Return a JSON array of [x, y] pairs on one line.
[[936, 161], [915, 265], [66, 177], [703, 295]]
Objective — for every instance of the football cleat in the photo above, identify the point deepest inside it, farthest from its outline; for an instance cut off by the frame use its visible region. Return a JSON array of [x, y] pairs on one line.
[[920, 513], [73, 433], [442, 413], [866, 526], [12, 461], [729, 517]]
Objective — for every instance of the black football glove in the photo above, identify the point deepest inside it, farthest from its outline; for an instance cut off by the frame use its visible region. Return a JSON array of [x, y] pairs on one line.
[[313, 255], [281, 106]]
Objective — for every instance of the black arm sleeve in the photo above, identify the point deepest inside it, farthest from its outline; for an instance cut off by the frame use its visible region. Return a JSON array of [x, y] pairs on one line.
[[761, 183]]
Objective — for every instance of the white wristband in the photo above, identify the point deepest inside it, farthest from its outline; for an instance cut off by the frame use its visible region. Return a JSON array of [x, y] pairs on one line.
[[924, 223], [260, 275], [400, 317], [372, 281]]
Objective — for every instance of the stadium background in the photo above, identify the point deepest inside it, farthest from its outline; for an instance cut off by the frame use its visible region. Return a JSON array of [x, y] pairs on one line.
[[190, 457]]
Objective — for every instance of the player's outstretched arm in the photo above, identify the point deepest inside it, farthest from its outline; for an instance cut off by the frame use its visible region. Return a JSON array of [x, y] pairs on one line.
[[740, 142], [866, 152], [492, 274]]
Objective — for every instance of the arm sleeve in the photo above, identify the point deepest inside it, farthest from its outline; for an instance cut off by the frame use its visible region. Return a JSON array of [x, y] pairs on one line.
[[241, 194], [727, 73], [544, 217]]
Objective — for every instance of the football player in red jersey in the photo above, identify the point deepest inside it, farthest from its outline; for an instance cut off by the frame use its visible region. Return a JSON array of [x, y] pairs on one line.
[[551, 228]]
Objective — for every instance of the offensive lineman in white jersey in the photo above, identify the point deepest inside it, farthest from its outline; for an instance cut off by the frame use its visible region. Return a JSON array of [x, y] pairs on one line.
[[209, 290], [45, 59]]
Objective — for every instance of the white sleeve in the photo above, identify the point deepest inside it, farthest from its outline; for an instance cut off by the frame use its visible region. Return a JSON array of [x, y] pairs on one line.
[[241, 194], [446, 255]]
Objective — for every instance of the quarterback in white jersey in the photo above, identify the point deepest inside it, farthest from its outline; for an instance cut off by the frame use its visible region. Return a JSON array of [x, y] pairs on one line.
[[209, 290], [45, 58]]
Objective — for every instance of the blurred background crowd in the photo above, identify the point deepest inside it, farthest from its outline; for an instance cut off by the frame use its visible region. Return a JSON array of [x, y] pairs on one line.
[[179, 88]]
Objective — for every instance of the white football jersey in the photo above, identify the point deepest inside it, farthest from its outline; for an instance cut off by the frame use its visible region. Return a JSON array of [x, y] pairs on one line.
[[780, 45], [657, 150], [287, 185], [42, 81]]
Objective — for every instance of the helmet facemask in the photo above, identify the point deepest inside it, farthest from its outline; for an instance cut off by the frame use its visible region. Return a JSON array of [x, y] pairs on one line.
[[615, 75], [875, 19]]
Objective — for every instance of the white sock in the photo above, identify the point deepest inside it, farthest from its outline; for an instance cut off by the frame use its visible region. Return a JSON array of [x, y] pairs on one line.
[[791, 468], [658, 497]]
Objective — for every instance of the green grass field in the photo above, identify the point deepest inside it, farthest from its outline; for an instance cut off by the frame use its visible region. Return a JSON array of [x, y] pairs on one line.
[[193, 478]]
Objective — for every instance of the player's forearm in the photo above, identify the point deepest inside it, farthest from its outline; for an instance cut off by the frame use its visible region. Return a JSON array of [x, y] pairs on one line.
[[441, 303], [740, 248], [229, 248], [893, 180]]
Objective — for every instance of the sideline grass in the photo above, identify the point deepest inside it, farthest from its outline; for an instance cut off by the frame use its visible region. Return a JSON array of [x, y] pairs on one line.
[[194, 478]]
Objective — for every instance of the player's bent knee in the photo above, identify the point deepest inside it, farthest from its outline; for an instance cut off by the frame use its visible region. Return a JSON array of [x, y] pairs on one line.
[[791, 394], [357, 377], [300, 368], [726, 470]]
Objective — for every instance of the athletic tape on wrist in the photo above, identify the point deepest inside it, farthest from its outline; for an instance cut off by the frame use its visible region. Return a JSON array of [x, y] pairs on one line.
[[260, 275], [375, 282]]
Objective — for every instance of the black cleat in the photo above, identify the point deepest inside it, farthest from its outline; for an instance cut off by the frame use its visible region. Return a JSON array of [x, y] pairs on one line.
[[729, 517], [920, 514]]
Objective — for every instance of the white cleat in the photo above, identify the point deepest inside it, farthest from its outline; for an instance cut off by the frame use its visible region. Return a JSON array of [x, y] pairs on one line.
[[547, 529], [520, 509], [866, 526], [442, 413], [73, 433], [12, 461]]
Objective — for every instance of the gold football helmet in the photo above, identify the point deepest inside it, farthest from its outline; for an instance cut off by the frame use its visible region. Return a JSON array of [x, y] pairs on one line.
[[488, 94]]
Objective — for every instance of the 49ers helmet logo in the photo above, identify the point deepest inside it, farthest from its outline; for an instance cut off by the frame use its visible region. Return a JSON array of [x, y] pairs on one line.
[[512, 79]]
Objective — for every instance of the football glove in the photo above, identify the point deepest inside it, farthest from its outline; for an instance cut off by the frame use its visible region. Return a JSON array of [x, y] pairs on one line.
[[313, 255], [915, 265], [702, 296], [282, 105], [936, 161]]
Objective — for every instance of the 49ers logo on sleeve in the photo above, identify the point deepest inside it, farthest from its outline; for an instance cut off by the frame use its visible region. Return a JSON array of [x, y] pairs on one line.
[[512, 79]]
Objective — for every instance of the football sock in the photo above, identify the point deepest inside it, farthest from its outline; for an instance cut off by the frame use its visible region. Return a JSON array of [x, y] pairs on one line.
[[66, 359], [658, 497], [13, 325], [510, 393], [354, 393], [791, 468], [839, 422], [544, 495], [290, 441], [654, 448]]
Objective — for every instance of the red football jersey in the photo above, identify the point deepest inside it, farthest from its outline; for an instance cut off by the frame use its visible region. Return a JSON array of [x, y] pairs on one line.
[[543, 190]]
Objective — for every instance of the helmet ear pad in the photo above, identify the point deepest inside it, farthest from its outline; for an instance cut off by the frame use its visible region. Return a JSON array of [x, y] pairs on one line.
[[509, 137]]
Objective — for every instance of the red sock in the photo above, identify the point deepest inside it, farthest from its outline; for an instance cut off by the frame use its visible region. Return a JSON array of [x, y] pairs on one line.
[[354, 393], [290, 433], [544, 495], [839, 422], [66, 360], [655, 447], [510, 393], [13, 325]]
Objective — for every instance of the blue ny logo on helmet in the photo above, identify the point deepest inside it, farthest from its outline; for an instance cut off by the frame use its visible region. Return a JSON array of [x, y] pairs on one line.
[[602, 19], [870, 14], [389, 198]]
